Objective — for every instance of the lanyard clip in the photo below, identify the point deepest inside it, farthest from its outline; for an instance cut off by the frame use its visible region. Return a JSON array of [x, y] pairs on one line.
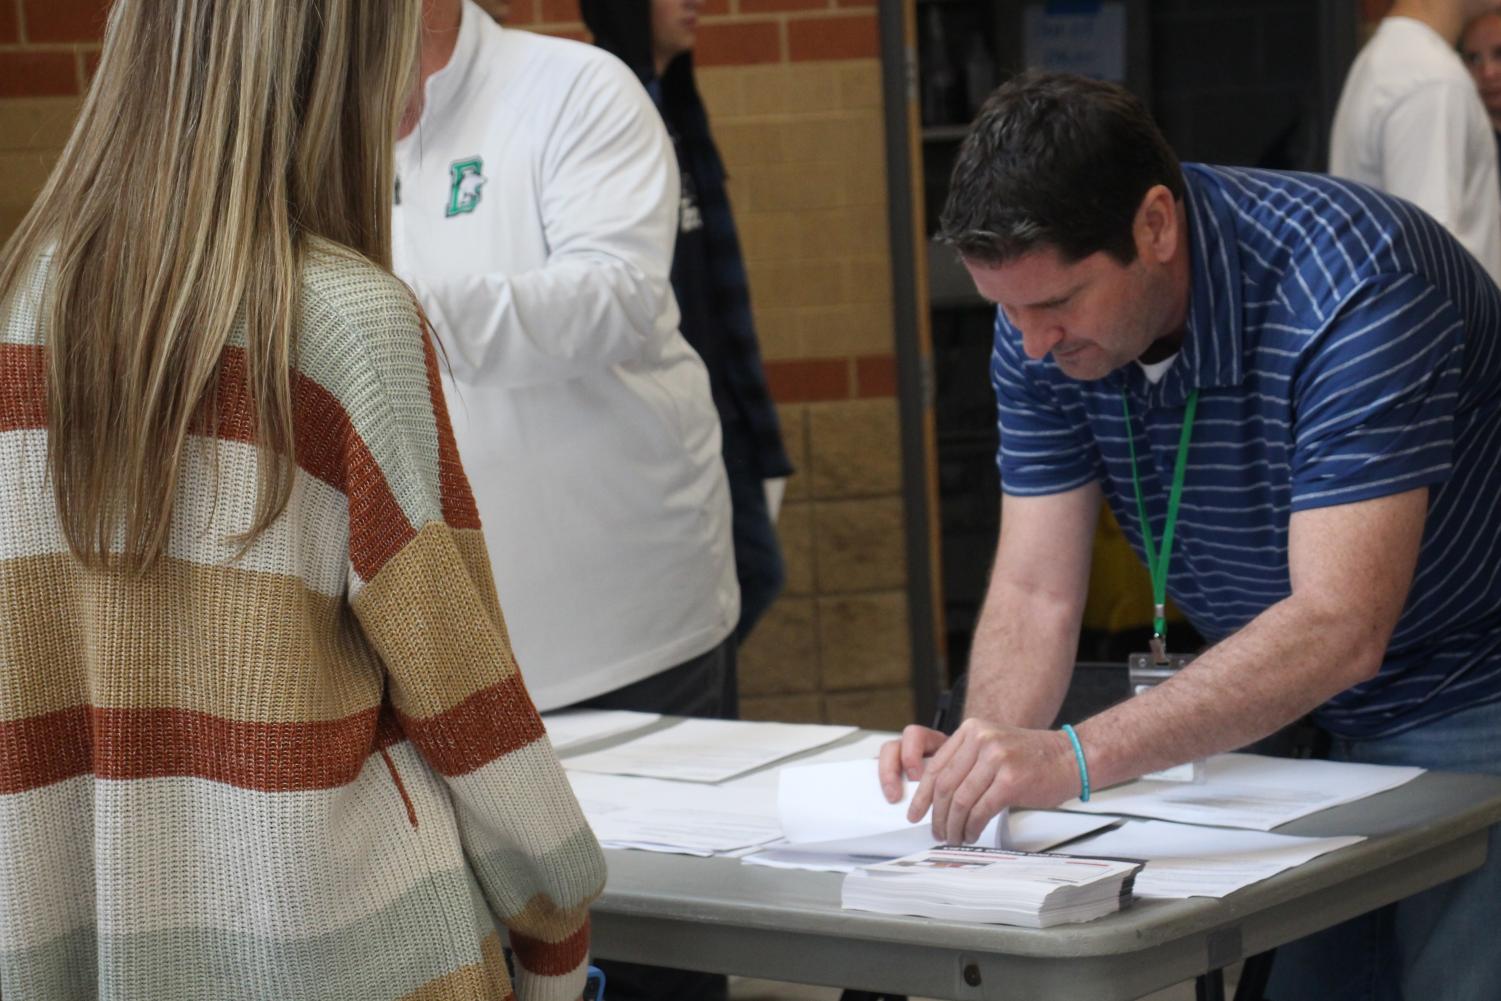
[[1158, 646]]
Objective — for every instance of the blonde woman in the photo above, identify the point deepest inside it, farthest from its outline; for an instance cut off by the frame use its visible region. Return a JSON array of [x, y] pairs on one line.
[[261, 732]]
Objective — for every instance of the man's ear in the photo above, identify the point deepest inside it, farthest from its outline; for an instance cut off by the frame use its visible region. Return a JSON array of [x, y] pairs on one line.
[[1156, 225]]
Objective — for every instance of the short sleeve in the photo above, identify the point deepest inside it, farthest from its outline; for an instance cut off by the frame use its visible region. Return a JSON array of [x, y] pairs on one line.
[[1375, 396], [1044, 449]]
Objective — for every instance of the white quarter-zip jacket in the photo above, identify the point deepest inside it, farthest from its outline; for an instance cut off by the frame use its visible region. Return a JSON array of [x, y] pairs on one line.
[[535, 218]]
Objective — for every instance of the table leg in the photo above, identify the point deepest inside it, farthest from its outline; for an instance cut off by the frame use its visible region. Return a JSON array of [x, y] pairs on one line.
[[1254, 976]]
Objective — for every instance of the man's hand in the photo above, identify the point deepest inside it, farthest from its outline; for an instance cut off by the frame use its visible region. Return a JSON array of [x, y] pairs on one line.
[[977, 772], [905, 758]]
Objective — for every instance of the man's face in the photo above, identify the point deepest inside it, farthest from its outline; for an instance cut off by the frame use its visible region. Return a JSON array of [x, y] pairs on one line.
[[674, 27], [1092, 316], [1481, 48]]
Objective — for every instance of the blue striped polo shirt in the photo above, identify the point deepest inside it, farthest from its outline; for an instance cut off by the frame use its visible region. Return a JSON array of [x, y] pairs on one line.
[[1345, 347]]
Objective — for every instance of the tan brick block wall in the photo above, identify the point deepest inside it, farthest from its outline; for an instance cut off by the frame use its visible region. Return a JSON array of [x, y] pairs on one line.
[[862, 641], [795, 533], [860, 545], [32, 134], [784, 708], [878, 709], [855, 448], [781, 655]]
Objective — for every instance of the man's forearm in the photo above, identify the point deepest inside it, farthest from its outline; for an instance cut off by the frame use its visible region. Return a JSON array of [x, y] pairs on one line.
[[1023, 655], [1287, 661]]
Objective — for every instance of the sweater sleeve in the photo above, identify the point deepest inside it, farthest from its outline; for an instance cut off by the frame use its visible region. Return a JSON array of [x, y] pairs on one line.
[[422, 591]]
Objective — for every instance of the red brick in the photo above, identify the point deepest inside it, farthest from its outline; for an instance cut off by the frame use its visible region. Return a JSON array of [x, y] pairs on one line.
[[509, 11], [9, 29], [38, 74], [857, 3], [776, 6], [560, 12], [575, 32], [855, 37], [65, 20], [738, 44], [712, 7], [90, 65], [810, 380], [1374, 10], [875, 376]]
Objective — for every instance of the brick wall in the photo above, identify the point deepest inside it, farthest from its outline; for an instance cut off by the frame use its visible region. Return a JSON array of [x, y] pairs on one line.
[[47, 48], [793, 88]]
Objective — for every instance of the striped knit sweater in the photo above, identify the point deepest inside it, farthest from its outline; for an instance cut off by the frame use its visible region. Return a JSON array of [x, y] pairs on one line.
[[312, 772]]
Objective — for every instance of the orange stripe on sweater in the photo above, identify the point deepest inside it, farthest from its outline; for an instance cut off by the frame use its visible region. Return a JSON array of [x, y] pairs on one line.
[[327, 444], [552, 959], [23, 388], [116, 743], [158, 743], [487, 725]]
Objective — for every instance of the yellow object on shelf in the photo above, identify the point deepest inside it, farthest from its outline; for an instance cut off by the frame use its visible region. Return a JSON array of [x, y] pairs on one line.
[[1120, 590]]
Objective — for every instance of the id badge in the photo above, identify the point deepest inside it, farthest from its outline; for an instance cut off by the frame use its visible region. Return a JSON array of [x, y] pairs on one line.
[[1147, 671]]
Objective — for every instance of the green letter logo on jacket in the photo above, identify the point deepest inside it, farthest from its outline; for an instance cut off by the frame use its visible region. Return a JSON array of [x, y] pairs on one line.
[[468, 179]]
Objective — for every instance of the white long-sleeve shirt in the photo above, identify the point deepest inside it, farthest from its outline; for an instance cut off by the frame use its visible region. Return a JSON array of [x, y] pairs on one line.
[[536, 217], [1410, 122]]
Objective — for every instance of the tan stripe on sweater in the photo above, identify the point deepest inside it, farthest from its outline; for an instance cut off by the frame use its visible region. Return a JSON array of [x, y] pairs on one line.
[[435, 622], [486, 980], [240, 645]]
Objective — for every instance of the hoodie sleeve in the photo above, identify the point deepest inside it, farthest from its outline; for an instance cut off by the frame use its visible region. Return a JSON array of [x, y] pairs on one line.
[[608, 208]]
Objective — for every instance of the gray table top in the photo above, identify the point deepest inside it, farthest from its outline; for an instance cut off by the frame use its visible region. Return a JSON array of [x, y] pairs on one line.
[[720, 915]]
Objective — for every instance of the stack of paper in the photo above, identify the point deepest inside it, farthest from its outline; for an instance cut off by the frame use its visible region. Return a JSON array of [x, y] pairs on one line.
[[1188, 861], [834, 818], [576, 727], [969, 883], [1026, 831], [679, 817], [1250, 790], [691, 818]]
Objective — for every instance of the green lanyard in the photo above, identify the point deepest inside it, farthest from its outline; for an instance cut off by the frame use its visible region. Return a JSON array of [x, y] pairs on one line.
[[1157, 559]]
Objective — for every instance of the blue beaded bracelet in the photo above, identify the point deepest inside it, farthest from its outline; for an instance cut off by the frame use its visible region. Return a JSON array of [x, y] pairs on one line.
[[1073, 738]]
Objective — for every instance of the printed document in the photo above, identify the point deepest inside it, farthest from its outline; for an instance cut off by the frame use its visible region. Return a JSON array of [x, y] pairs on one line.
[[1187, 861], [1027, 831], [677, 817], [1249, 790], [574, 727], [707, 750]]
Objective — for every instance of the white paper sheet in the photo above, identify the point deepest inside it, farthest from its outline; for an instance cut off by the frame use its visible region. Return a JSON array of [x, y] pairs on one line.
[[727, 819], [574, 727], [657, 815], [1250, 791], [842, 799], [703, 750], [1028, 831], [1184, 860]]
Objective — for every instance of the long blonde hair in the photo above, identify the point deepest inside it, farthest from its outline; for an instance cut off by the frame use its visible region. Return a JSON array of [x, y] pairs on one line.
[[218, 140]]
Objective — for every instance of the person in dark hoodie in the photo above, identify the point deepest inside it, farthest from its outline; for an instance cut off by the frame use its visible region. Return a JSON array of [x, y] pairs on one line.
[[655, 39]]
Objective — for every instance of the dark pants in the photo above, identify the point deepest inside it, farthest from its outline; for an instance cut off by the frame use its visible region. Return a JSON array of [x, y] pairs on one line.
[[758, 556], [703, 687]]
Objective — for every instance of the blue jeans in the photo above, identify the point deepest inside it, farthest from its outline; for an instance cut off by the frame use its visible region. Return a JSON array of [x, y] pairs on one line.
[[1439, 945]]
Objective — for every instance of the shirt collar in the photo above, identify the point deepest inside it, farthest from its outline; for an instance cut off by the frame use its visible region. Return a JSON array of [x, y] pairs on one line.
[[444, 89], [1211, 354]]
